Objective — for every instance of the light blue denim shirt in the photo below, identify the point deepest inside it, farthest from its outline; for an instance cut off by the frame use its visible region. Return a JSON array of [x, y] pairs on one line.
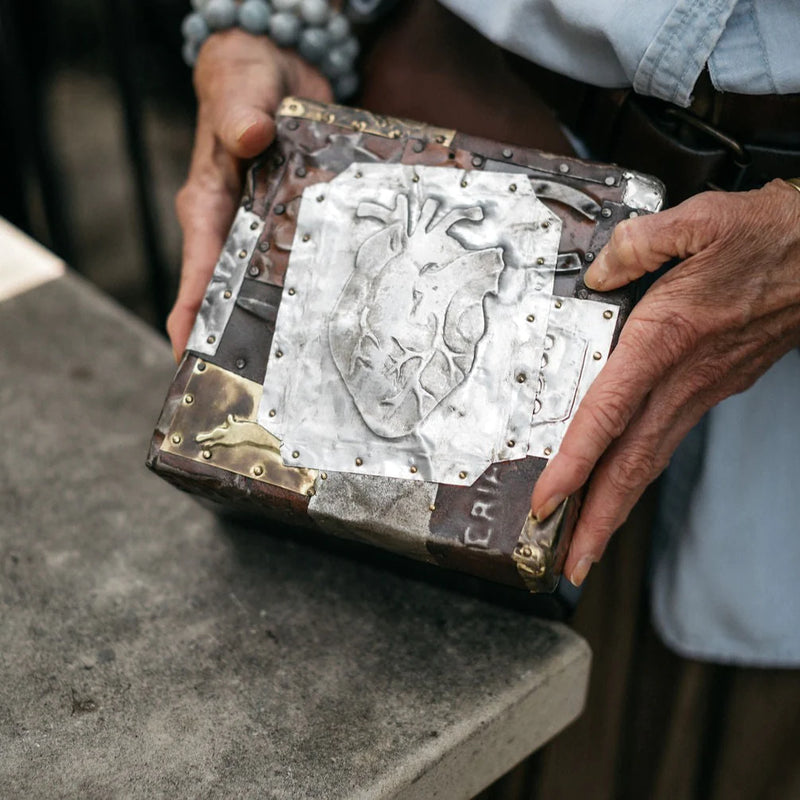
[[659, 47]]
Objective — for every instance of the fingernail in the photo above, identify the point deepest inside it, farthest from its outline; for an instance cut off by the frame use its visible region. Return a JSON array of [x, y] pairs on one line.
[[547, 508], [581, 570], [597, 274]]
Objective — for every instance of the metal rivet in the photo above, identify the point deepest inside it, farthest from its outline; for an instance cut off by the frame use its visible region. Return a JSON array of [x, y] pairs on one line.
[[527, 552], [597, 355], [415, 179], [258, 470], [279, 161], [201, 366], [548, 451], [280, 208], [582, 294], [272, 412], [511, 443], [324, 475], [206, 454], [463, 184], [431, 507], [310, 492], [477, 161], [439, 139], [606, 212], [188, 399], [413, 470], [263, 247], [227, 294], [359, 175], [253, 272], [507, 153], [279, 354], [176, 438], [320, 198], [359, 462], [301, 172], [633, 215], [531, 318], [211, 339], [253, 226], [545, 225], [395, 134], [563, 168], [418, 147], [558, 304], [240, 363], [292, 124], [513, 187], [522, 377], [243, 254], [462, 475], [608, 314], [306, 237], [589, 257], [291, 292], [610, 180], [295, 454], [540, 261]]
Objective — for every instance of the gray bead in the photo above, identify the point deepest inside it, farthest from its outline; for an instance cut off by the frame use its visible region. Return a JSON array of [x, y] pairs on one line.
[[351, 47], [190, 51], [285, 5], [313, 44], [284, 28], [314, 12], [338, 27], [336, 63], [220, 14], [346, 86], [194, 27], [254, 16]]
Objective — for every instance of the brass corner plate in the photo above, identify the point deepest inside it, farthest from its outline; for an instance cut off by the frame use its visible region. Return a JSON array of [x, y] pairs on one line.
[[355, 119], [542, 546], [215, 424]]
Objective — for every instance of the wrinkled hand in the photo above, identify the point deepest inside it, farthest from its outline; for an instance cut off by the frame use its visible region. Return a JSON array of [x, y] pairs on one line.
[[240, 81], [705, 330]]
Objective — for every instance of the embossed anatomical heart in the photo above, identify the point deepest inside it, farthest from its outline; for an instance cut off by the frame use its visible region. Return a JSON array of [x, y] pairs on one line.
[[405, 329]]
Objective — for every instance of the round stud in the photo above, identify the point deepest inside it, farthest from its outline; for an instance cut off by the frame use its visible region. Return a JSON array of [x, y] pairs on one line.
[[633, 215], [279, 354], [540, 261], [240, 363], [206, 454], [548, 451], [477, 161], [464, 184], [227, 294], [292, 124], [211, 339], [359, 462], [545, 225], [522, 377], [527, 552], [176, 438], [507, 153], [513, 187], [324, 475], [563, 168], [531, 318], [301, 172], [258, 470], [188, 399], [610, 180], [511, 443], [558, 304], [310, 492], [243, 254], [201, 366], [462, 475], [253, 272], [272, 412], [359, 175], [413, 470], [431, 508], [264, 247], [320, 198], [418, 147], [607, 314], [280, 209], [253, 226], [582, 294], [306, 237], [605, 213], [291, 293], [415, 179], [589, 257], [597, 355], [295, 454]]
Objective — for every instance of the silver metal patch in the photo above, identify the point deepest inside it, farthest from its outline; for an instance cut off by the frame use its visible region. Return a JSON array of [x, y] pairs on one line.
[[643, 192], [577, 345], [216, 309], [409, 341]]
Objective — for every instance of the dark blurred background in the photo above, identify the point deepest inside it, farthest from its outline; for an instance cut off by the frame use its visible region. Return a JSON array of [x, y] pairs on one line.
[[96, 130]]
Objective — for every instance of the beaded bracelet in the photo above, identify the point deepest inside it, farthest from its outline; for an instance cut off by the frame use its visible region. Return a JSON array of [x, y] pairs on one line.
[[321, 35]]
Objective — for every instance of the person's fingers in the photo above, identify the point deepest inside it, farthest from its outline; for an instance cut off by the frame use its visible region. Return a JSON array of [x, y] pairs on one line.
[[643, 244]]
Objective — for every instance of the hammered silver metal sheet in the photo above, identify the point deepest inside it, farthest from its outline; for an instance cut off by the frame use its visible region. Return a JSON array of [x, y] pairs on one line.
[[577, 345], [412, 326], [216, 309], [642, 192]]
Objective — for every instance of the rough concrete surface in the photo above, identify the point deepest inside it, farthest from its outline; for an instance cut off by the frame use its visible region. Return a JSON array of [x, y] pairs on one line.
[[148, 649]]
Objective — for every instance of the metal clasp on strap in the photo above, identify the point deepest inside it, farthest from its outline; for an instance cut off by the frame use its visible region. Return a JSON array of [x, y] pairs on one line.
[[740, 156]]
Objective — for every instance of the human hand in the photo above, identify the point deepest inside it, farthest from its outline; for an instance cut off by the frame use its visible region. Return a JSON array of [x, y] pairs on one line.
[[705, 330], [240, 81]]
